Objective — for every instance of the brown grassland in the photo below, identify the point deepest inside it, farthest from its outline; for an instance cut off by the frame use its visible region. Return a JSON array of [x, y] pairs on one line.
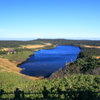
[[35, 46], [88, 46], [12, 67]]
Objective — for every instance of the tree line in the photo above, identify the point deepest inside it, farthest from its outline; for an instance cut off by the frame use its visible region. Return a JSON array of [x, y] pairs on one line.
[[53, 41]]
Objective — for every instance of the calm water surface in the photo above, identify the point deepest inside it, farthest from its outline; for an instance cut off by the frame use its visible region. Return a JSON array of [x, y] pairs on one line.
[[45, 62]]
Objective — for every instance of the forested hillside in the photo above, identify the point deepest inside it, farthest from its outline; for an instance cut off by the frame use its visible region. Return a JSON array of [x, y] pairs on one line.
[[74, 87], [54, 41]]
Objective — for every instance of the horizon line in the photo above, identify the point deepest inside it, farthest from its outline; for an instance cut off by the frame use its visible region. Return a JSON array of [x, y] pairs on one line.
[[27, 39]]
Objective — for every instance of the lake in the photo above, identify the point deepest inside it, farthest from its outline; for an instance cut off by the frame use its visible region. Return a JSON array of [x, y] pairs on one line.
[[45, 62]]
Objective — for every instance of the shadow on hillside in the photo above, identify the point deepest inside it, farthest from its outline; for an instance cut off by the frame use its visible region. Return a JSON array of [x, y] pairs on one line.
[[69, 94]]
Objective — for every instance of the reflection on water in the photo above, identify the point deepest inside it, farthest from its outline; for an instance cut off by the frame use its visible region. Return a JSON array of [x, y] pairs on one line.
[[44, 62]]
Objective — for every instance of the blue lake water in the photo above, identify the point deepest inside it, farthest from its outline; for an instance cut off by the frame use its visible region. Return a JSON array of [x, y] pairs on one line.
[[45, 62]]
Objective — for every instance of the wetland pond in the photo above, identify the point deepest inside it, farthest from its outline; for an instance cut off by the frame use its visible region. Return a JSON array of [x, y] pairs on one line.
[[45, 62]]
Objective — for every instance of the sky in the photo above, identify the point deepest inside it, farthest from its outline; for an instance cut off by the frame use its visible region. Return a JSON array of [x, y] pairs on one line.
[[69, 19]]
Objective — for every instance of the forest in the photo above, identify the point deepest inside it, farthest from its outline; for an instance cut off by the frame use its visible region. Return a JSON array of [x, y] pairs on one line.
[[53, 41]]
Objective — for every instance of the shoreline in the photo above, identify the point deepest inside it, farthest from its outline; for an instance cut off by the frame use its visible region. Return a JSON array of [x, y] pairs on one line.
[[20, 63], [38, 50]]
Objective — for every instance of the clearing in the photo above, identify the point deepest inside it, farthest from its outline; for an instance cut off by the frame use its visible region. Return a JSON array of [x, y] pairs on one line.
[[35, 46], [88, 46]]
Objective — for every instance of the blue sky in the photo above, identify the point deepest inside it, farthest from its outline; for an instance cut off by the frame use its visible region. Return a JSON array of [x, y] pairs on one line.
[[70, 19]]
